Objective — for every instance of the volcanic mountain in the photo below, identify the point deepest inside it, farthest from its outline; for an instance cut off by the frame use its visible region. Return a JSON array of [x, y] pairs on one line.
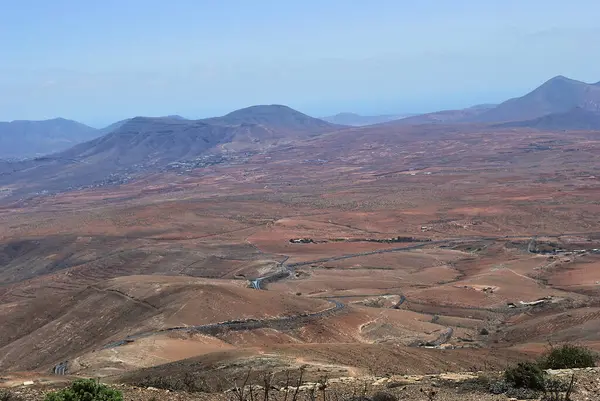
[[24, 138], [559, 103], [110, 128], [168, 139], [558, 95], [278, 118], [144, 143]]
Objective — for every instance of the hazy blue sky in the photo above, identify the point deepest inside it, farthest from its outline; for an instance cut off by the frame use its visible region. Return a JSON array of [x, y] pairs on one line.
[[98, 61]]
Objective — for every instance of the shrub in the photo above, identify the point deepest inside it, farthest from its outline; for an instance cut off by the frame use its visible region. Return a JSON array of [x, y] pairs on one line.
[[498, 387], [525, 375], [484, 332], [558, 390], [568, 356], [85, 390]]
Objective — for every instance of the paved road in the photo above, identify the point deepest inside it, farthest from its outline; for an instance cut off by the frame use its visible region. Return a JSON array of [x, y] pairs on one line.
[[286, 270]]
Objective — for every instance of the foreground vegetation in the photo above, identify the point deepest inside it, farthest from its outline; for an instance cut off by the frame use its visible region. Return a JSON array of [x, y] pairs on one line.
[[525, 380], [85, 390], [528, 380]]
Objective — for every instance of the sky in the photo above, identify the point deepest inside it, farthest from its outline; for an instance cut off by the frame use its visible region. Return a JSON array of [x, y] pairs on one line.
[[102, 61]]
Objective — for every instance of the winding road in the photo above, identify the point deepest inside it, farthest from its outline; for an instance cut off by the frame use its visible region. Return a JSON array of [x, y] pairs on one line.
[[286, 270]]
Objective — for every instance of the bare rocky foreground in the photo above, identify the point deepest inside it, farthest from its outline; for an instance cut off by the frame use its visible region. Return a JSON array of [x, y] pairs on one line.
[[447, 386]]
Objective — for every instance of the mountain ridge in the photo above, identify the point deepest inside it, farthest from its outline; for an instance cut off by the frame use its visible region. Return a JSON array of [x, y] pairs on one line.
[[30, 138], [557, 95]]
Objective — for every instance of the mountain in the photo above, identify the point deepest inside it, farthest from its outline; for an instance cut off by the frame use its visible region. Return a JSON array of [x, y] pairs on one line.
[[277, 117], [560, 103], [110, 128], [23, 138], [558, 95], [144, 144], [574, 119], [159, 140], [357, 120], [149, 140]]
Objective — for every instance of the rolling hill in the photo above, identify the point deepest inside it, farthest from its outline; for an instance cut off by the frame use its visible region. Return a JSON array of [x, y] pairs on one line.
[[444, 116], [574, 119], [24, 138]]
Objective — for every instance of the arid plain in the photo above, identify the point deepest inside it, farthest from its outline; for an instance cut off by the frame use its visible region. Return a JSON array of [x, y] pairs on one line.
[[420, 249]]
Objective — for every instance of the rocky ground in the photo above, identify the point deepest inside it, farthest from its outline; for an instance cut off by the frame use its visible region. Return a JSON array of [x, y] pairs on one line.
[[442, 387]]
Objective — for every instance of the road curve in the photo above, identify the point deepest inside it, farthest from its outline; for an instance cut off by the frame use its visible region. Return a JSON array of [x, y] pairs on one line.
[[286, 271]]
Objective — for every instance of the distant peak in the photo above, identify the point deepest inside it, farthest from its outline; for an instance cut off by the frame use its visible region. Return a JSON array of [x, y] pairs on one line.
[[263, 109], [346, 114], [562, 79]]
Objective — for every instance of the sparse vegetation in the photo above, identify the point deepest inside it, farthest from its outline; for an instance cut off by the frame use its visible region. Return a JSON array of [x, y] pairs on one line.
[[190, 382], [7, 395], [526, 375], [528, 380], [374, 303], [557, 390], [85, 390], [568, 356]]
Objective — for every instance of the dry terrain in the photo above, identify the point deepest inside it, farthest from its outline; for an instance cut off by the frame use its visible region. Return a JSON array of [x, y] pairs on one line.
[[416, 238]]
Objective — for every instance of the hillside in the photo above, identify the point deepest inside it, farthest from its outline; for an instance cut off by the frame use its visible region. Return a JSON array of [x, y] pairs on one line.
[[574, 119], [150, 140], [279, 117], [19, 139], [558, 95], [112, 127], [161, 140], [145, 144], [441, 117]]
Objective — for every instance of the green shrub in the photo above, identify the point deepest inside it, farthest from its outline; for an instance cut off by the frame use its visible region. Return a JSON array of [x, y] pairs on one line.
[[85, 390], [569, 356], [525, 375]]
